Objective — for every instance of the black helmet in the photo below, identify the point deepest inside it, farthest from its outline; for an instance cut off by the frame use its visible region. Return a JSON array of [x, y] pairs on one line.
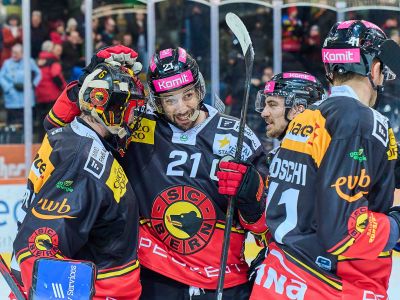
[[112, 95], [351, 46], [171, 70], [297, 88]]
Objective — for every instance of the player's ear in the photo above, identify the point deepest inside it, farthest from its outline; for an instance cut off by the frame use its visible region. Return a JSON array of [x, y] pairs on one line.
[[295, 110]]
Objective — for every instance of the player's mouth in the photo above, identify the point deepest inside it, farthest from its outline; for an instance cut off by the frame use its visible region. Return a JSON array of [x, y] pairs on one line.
[[183, 117]]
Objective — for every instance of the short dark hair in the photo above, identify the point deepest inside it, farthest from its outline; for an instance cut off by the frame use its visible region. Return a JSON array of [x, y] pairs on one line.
[[339, 79]]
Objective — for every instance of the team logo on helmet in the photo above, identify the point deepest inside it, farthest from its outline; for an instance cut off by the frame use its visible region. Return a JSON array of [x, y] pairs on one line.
[[184, 218], [43, 242], [99, 96]]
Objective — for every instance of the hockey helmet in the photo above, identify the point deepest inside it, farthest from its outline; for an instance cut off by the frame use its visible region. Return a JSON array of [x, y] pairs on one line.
[[173, 70], [352, 45], [113, 96], [297, 88]]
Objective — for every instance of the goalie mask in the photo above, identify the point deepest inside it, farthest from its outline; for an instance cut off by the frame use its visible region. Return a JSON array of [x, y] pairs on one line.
[[115, 98], [296, 88], [351, 46], [172, 73]]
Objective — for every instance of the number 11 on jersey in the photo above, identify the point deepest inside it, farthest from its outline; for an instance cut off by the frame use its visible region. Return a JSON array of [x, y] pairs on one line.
[[289, 198]]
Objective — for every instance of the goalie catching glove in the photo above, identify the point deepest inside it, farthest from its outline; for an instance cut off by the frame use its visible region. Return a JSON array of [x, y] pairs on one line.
[[242, 180]]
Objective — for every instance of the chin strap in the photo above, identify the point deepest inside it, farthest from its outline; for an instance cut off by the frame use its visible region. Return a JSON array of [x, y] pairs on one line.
[[378, 88], [195, 115], [114, 130]]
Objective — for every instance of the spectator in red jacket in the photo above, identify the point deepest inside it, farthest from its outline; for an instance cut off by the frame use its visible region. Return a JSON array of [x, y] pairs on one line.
[[58, 36], [12, 35], [52, 82]]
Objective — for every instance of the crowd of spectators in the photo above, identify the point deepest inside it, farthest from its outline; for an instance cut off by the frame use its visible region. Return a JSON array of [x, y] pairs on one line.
[[57, 48]]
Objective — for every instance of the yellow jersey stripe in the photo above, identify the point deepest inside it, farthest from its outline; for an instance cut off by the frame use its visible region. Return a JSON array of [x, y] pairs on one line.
[[118, 272], [55, 119], [329, 281]]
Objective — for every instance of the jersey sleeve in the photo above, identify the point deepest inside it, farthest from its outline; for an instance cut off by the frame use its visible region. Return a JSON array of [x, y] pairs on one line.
[[354, 188], [65, 109]]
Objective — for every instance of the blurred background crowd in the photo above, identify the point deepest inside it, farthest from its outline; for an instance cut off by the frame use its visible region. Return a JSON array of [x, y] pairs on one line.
[[57, 49]]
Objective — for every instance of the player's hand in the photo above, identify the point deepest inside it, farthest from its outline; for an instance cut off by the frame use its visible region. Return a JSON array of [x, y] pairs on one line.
[[119, 54], [242, 180]]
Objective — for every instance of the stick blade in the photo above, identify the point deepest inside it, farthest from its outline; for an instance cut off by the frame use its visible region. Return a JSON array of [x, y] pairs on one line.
[[239, 30]]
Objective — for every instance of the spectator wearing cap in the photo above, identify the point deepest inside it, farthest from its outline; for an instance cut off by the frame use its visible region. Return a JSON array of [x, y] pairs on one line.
[[12, 83], [72, 25]]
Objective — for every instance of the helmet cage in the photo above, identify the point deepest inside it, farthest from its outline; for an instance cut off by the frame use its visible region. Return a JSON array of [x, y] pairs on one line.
[[170, 71], [198, 86], [295, 91], [112, 97]]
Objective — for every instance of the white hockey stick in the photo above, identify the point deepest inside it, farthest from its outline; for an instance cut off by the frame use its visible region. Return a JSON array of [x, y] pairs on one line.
[[241, 33]]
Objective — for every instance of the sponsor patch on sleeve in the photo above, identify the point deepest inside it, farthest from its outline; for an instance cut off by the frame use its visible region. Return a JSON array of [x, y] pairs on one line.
[[380, 130], [117, 181], [392, 151], [226, 144], [96, 161], [42, 166], [145, 133], [226, 123]]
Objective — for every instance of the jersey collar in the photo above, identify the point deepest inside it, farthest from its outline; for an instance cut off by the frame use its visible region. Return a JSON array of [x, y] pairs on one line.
[[82, 130], [344, 91], [189, 136]]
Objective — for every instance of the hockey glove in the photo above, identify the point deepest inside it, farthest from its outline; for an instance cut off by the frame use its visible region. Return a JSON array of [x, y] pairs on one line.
[[122, 55], [243, 181], [394, 212]]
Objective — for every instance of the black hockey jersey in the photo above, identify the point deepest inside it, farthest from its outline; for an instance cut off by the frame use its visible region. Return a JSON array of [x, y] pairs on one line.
[[80, 205], [331, 183], [174, 175]]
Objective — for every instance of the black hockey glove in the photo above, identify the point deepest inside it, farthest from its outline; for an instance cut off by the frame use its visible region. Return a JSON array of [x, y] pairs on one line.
[[242, 180]]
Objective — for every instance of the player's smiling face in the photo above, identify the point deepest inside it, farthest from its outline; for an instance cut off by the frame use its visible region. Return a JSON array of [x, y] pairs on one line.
[[180, 108], [274, 115]]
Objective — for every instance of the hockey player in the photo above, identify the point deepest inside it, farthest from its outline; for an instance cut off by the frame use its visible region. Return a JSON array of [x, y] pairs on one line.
[[283, 98], [176, 151], [79, 203], [331, 183]]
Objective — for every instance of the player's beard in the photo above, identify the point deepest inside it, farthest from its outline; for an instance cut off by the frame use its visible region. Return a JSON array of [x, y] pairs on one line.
[[187, 120]]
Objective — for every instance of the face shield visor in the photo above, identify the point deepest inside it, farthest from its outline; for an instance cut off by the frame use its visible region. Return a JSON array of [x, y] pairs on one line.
[[388, 74], [173, 100]]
